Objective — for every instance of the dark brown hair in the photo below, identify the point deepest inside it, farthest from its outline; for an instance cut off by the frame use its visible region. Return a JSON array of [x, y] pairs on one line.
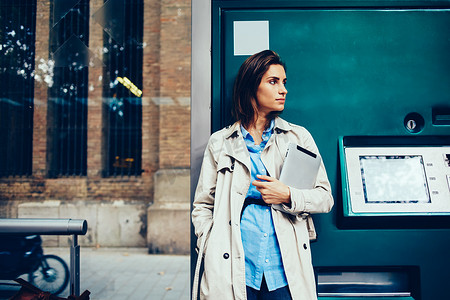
[[247, 83]]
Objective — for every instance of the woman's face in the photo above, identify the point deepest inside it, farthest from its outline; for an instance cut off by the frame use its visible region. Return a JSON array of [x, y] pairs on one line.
[[271, 93]]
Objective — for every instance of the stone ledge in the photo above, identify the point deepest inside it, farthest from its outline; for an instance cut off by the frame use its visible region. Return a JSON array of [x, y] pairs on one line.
[[110, 224], [172, 185], [168, 222]]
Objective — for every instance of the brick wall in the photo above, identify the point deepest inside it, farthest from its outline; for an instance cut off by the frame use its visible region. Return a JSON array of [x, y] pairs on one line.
[[165, 112], [175, 83], [40, 89], [95, 121]]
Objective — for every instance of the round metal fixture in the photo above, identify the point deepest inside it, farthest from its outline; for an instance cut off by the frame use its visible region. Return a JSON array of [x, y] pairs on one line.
[[414, 122]]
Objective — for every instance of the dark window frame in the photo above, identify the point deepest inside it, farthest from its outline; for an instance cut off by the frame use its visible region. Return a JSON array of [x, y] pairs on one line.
[[122, 109], [17, 70], [68, 94]]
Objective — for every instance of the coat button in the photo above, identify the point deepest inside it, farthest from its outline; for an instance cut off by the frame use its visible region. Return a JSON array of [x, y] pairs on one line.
[[226, 255], [305, 247]]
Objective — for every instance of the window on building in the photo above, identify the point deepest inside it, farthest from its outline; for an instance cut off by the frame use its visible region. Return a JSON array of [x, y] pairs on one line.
[[17, 54], [67, 101], [122, 75]]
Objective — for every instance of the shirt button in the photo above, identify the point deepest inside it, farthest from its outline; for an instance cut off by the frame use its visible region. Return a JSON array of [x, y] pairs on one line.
[[265, 234], [226, 255], [267, 260]]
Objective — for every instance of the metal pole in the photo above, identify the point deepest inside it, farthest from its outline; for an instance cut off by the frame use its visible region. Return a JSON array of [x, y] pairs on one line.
[[75, 267], [200, 97], [43, 226]]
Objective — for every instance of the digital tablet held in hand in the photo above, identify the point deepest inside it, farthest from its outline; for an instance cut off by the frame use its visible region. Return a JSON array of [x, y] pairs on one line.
[[300, 167]]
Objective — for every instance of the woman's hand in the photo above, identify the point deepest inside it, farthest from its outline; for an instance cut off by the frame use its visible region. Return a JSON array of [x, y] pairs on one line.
[[272, 190]]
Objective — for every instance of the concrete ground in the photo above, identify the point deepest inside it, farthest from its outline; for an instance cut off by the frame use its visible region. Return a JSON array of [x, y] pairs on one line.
[[125, 273]]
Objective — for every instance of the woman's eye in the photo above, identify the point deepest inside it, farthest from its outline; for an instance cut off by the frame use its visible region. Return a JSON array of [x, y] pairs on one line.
[[272, 82]]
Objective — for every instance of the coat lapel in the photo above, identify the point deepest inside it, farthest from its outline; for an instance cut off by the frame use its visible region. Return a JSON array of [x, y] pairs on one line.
[[235, 146]]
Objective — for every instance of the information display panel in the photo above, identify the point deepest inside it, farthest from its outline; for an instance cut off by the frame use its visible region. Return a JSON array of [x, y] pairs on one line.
[[402, 178], [395, 180], [411, 180]]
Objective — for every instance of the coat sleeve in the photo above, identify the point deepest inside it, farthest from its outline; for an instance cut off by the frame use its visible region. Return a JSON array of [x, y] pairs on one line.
[[316, 200], [203, 206]]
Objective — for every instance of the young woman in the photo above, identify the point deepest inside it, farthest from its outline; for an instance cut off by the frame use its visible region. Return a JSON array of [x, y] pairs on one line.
[[253, 249]]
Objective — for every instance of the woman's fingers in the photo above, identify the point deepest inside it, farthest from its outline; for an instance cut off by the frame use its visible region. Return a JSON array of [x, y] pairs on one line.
[[272, 190]]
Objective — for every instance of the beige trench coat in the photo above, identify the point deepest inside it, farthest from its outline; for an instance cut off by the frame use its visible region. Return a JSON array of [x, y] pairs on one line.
[[219, 197]]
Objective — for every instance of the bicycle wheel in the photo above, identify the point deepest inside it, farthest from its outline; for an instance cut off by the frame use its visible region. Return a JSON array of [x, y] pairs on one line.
[[52, 275]]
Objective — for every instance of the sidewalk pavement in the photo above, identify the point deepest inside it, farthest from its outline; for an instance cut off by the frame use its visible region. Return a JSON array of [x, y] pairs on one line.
[[128, 273]]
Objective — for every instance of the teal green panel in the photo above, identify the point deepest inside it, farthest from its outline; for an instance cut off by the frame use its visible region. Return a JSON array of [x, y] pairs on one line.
[[355, 72], [346, 63]]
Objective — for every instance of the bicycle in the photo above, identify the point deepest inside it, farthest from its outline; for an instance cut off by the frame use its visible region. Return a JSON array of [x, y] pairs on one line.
[[23, 255]]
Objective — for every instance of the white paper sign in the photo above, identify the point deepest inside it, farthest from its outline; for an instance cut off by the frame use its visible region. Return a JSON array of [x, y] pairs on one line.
[[250, 37]]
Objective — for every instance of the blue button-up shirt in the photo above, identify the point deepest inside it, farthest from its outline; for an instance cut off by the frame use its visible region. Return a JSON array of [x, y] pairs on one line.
[[262, 252]]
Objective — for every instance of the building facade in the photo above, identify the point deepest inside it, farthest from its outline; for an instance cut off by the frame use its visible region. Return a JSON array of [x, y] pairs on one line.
[[95, 118]]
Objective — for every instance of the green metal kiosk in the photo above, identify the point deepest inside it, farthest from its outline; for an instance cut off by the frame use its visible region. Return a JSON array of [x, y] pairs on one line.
[[371, 81]]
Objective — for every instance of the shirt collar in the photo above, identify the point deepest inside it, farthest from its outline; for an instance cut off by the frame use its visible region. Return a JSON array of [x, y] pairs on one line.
[[246, 134], [279, 125]]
